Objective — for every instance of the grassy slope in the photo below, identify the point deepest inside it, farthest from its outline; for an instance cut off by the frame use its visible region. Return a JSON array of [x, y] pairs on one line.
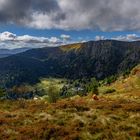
[[46, 82], [114, 117], [67, 48]]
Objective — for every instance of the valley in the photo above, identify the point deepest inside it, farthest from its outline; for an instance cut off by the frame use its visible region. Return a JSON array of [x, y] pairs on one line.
[[69, 70], [48, 93]]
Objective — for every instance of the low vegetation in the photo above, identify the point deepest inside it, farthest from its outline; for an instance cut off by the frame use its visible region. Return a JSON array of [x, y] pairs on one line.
[[60, 111], [112, 117]]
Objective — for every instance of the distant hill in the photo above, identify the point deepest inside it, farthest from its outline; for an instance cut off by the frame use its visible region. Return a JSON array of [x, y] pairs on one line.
[[8, 52], [98, 59]]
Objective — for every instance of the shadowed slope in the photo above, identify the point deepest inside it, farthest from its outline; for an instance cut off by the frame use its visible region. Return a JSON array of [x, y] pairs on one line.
[[91, 59]]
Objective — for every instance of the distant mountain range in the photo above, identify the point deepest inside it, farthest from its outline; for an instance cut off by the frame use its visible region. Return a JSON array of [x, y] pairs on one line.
[[98, 59], [8, 52]]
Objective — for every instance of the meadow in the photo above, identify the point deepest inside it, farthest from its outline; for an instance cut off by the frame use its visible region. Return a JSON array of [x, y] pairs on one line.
[[115, 116]]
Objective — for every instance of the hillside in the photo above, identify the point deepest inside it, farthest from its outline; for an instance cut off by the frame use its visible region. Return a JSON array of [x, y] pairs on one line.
[[98, 59], [114, 116]]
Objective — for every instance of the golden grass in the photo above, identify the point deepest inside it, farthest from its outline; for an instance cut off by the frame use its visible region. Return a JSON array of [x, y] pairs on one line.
[[112, 117], [67, 48], [115, 116]]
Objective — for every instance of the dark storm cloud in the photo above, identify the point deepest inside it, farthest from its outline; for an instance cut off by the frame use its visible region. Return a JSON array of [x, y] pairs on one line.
[[14, 10], [20, 11], [45, 5], [105, 15]]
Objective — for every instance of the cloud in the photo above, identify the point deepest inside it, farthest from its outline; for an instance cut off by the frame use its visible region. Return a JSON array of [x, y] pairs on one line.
[[65, 37], [104, 15], [7, 36], [9, 40], [99, 38], [20, 12], [129, 37]]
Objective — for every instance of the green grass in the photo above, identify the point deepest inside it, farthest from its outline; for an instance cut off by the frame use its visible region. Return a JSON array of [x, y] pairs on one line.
[[46, 82]]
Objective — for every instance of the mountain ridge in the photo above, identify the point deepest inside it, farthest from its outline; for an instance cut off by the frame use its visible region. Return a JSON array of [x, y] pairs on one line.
[[9, 52], [98, 59]]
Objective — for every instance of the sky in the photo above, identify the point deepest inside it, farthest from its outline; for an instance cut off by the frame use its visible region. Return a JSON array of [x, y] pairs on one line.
[[41, 23]]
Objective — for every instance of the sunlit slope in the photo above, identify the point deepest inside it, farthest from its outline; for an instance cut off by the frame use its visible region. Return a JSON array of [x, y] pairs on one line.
[[67, 48], [131, 82], [126, 87]]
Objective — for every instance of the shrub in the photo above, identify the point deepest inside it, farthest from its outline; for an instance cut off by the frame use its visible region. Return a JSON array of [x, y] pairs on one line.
[[109, 80], [22, 91], [53, 94], [2, 92], [126, 72], [93, 86], [109, 91]]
